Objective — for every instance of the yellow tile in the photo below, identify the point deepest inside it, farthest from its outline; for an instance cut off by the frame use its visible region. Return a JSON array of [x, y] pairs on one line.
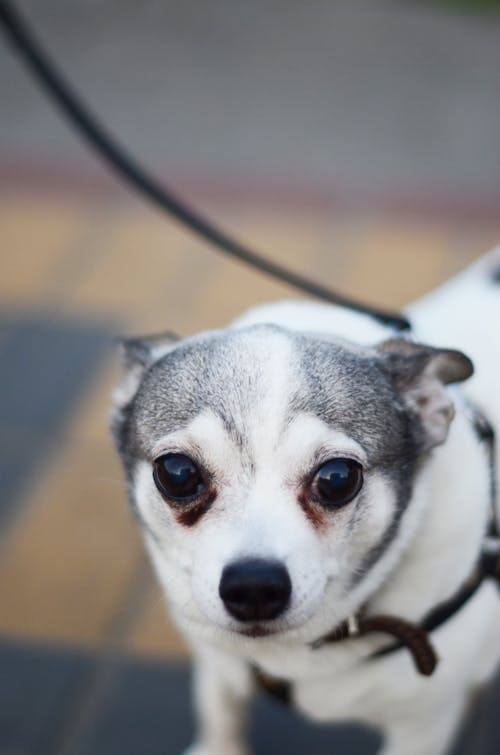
[[38, 236], [72, 556], [152, 275], [90, 420], [393, 263], [287, 238], [154, 632], [141, 263], [234, 289], [468, 244]]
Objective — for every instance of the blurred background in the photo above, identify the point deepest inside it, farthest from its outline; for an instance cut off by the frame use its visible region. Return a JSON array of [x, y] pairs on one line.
[[357, 141]]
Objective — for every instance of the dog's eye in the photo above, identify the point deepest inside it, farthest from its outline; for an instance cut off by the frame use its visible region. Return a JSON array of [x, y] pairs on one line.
[[337, 482], [177, 477]]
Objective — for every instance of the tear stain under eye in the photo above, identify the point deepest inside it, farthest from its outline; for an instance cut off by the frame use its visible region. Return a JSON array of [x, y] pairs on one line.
[[193, 514], [315, 516]]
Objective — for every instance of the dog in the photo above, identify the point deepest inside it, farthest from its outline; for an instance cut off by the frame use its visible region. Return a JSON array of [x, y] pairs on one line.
[[316, 492]]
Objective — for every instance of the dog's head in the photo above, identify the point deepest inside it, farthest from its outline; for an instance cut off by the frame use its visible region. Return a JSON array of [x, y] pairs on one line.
[[271, 470]]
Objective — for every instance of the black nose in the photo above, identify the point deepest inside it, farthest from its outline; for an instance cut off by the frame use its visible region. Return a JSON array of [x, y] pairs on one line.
[[255, 590]]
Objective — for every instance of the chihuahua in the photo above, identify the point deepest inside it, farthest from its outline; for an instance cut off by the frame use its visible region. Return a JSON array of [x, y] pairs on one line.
[[316, 492]]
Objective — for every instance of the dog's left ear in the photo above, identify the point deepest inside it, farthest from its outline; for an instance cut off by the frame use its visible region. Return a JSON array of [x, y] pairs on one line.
[[420, 373], [137, 355]]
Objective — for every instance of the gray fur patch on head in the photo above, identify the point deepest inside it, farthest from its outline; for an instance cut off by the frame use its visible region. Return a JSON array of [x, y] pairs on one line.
[[220, 371], [349, 389], [137, 354]]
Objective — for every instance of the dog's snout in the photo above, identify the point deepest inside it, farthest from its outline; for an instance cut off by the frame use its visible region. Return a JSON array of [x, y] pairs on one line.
[[255, 589]]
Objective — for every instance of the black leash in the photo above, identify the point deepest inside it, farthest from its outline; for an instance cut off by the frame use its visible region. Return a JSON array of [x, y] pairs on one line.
[[89, 128]]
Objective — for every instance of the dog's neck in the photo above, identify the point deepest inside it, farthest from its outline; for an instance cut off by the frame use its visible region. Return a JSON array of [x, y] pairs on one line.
[[443, 530]]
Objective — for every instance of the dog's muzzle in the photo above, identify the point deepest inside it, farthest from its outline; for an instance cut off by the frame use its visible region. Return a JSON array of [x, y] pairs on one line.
[[255, 589]]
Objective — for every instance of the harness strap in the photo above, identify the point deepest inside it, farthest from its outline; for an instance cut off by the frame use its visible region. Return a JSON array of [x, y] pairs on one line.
[[280, 689], [412, 636]]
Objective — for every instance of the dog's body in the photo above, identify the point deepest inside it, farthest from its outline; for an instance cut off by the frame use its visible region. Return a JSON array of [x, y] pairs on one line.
[[332, 470]]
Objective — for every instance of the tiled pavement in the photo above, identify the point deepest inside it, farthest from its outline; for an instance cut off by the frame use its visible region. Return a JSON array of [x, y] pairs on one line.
[[89, 663]]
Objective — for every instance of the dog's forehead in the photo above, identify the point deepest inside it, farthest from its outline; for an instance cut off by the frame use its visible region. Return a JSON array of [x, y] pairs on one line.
[[268, 371], [230, 373], [349, 389]]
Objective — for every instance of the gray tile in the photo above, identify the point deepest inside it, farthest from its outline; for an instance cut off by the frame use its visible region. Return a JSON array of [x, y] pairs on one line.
[[20, 454], [44, 368], [138, 707], [37, 689]]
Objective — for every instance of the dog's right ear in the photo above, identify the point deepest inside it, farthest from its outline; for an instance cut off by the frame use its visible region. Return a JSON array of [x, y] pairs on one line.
[[420, 374], [137, 355]]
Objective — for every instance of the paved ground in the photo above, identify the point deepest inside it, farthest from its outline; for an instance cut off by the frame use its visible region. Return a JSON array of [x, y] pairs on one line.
[[90, 664]]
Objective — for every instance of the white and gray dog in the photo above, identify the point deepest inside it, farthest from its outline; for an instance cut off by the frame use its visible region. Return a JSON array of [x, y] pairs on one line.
[[317, 497]]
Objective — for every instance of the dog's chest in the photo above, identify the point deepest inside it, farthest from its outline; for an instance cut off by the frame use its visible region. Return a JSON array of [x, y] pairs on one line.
[[333, 682], [326, 689]]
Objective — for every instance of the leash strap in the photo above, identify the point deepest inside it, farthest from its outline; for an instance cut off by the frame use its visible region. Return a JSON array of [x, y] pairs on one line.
[[280, 689]]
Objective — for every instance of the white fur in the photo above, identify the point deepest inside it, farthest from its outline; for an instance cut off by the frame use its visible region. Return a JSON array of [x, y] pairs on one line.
[[435, 550]]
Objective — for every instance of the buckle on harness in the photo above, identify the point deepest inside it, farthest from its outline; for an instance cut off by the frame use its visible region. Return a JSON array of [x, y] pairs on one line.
[[352, 624]]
